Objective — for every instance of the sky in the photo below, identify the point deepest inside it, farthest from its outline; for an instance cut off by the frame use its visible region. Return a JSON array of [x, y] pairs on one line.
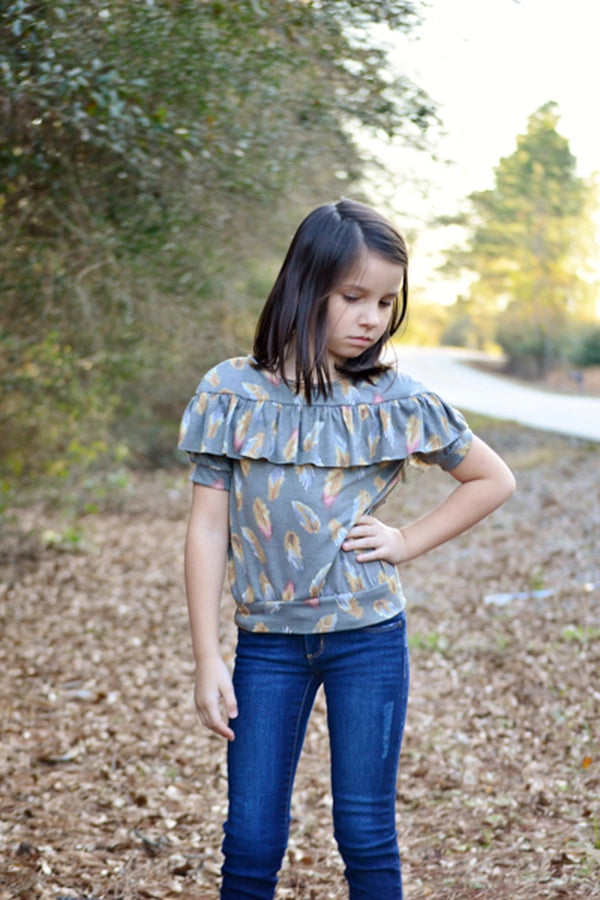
[[489, 64]]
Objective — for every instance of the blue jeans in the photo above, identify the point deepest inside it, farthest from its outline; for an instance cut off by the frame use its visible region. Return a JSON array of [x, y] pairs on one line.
[[365, 677]]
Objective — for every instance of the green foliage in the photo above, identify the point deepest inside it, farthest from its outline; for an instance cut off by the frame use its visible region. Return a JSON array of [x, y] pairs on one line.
[[51, 398], [154, 158], [586, 346], [469, 324], [118, 96], [530, 242], [425, 324]]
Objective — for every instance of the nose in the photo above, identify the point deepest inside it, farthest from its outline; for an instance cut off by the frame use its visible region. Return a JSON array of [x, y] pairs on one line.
[[369, 315]]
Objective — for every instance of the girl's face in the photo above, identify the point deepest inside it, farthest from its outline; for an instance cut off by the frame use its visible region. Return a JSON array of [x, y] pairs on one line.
[[360, 308]]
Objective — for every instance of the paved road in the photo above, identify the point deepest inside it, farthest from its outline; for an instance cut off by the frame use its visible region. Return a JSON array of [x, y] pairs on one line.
[[444, 371]]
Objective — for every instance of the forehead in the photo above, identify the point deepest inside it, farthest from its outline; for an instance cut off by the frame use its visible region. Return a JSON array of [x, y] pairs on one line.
[[372, 269]]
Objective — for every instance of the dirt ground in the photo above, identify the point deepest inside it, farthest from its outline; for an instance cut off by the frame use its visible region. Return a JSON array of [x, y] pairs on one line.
[[111, 790]]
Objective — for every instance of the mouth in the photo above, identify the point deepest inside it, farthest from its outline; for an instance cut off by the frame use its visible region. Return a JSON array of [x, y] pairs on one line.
[[360, 341]]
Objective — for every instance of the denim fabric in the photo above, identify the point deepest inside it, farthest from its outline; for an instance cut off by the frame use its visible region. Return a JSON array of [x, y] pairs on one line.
[[365, 674]]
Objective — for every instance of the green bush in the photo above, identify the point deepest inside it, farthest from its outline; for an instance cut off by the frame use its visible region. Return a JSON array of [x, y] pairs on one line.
[[586, 350]]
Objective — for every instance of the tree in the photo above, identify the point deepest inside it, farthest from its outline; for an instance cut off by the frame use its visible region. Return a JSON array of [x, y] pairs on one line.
[[110, 95], [529, 243], [144, 148]]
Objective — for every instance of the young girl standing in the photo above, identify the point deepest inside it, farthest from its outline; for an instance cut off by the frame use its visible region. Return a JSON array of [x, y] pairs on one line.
[[293, 449]]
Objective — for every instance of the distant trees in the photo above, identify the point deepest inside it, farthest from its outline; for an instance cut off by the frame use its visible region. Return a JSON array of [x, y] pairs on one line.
[[530, 242], [153, 156]]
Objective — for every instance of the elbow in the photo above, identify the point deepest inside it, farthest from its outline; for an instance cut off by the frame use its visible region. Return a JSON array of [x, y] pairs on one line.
[[508, 485]]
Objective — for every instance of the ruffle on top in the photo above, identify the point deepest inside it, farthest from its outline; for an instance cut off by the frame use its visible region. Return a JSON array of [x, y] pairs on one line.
[[239, 411]]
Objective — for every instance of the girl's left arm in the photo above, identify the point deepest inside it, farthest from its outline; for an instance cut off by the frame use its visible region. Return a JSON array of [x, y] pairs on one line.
[[485, 482]]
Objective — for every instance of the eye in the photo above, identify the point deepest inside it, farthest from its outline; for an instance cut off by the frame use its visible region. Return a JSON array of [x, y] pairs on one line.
[[350, 298], [386, 303]]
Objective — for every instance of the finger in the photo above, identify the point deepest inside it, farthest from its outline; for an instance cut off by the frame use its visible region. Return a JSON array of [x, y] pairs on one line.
[[210, 716], [366, 520], [363, 525], [216, 724], [229, 699], [223, 730], [359, 535], [359, 543], [369, 555]]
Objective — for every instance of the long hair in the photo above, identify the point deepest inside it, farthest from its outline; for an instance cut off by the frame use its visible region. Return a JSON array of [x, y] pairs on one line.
[[326, 246]]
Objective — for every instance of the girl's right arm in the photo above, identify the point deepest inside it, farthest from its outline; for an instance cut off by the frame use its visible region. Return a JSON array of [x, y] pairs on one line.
[[205, 561]]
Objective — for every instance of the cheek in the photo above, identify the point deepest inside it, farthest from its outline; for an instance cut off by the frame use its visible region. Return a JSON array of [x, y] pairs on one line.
[[336, 315], [385, 319]]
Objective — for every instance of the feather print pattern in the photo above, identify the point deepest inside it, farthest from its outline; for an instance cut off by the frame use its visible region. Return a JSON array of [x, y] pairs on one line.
[[342, 455], [306, 476], [373, 442], [268, 591], [237, 546], [312, 438], [326, 624], [214, 423], [435, 442], [361, 504], [413, 433], [386, 422], [350, 605], [337, 530], [291, 448], [289, 592], [262, 517], [355, 580], [355, 609], [255, 444], [249, 433], [255, 390], [387, 579], [307, 517], [185, 424], [248, 597], [237, 489], [384, 608], [241, 430], [293, 550], [333, 485], [254, 543], [348, 419], [202, 404], [274, 482], [317, 582]]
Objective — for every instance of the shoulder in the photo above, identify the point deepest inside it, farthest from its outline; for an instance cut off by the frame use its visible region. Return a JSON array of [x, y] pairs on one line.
[[399, 385], [226, 375], [389, 385], [241, 376]]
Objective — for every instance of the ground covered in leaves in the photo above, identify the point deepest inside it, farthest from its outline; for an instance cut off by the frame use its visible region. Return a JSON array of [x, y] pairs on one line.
[[109, 788]]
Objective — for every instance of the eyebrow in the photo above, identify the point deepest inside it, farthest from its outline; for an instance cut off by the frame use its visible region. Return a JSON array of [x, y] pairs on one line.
[[359, 287]]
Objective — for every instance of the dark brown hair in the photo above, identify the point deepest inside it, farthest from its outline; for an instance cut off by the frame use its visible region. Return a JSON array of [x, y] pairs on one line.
[[327, 244]]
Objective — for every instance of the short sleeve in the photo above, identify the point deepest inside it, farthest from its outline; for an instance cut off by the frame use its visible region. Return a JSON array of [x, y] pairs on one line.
[[211, 471], [450, 456]]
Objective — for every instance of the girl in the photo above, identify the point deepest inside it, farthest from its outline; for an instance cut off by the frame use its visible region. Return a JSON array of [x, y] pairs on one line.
[[293, 449]]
